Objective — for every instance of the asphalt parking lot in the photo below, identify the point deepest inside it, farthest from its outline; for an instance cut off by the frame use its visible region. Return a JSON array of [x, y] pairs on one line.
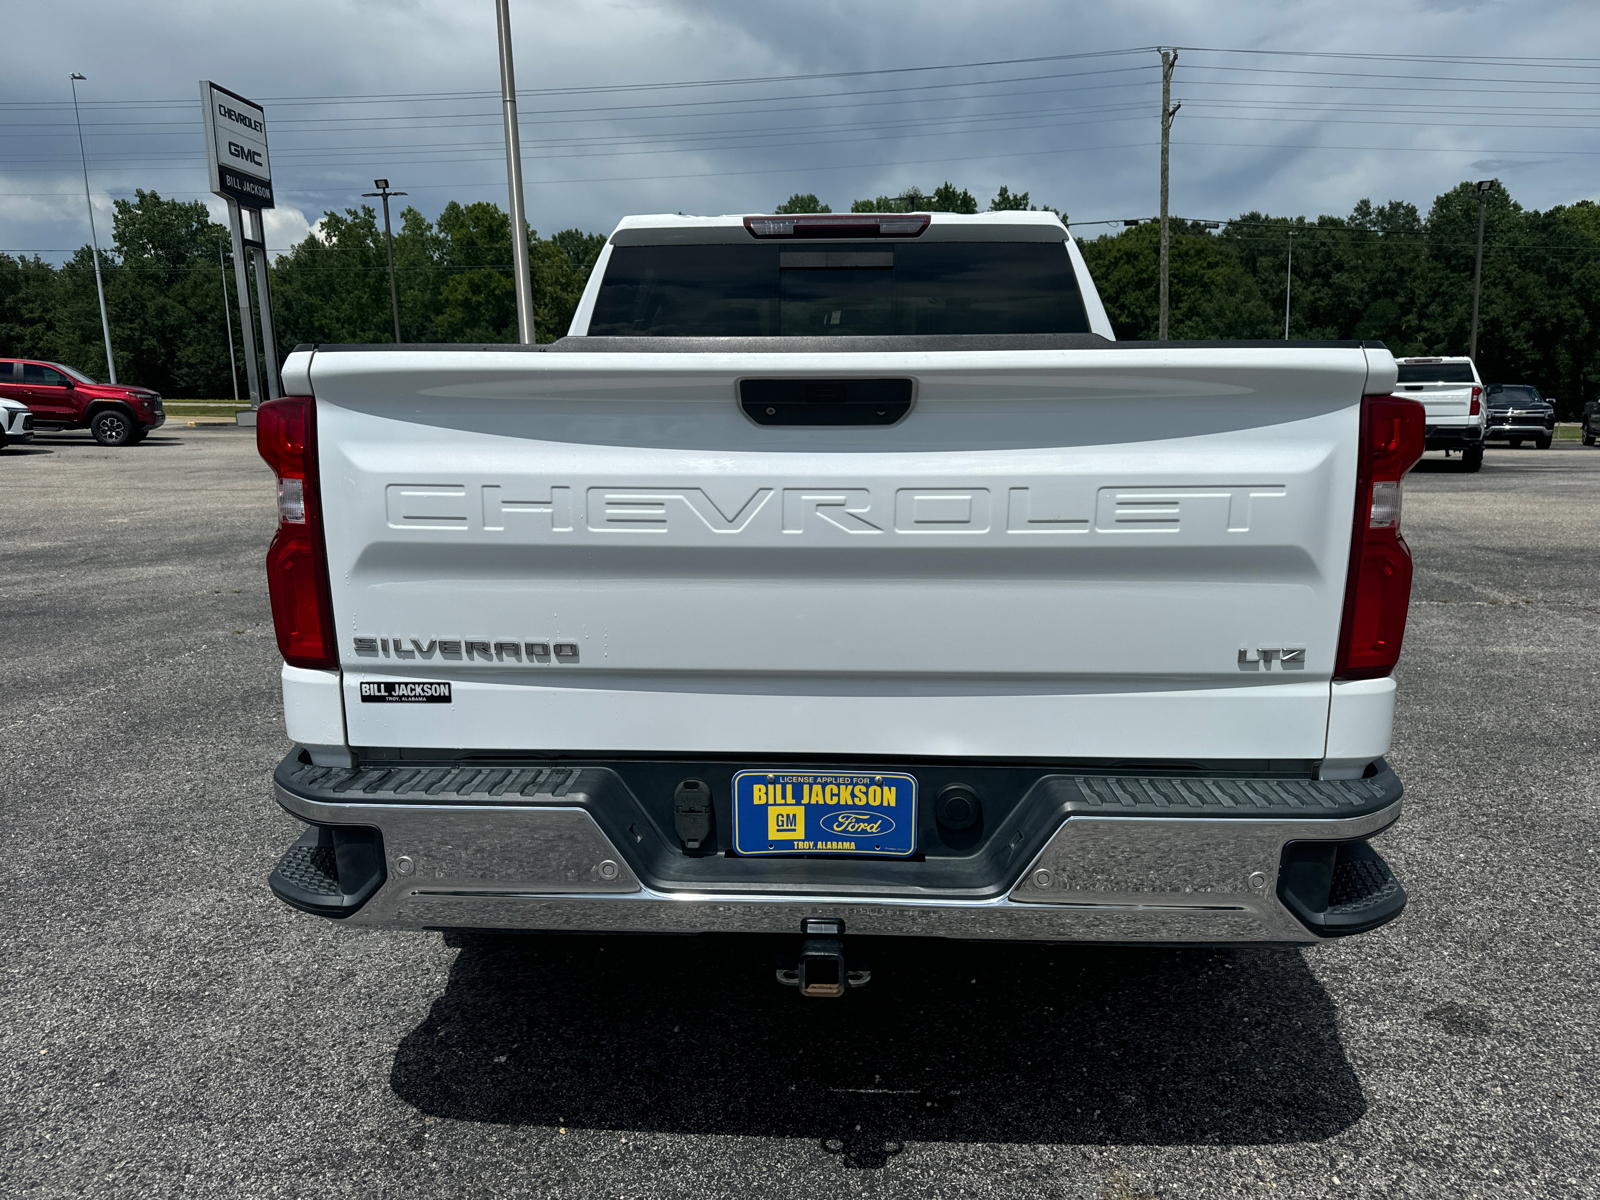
[[170, 1029]]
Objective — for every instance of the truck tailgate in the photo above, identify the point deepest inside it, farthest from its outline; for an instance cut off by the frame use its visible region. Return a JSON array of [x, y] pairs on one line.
[[1443, 401], [1054, 554]]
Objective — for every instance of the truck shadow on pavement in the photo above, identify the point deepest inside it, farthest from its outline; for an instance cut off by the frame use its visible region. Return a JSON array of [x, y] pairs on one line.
[[951, 1041], [49, 443]]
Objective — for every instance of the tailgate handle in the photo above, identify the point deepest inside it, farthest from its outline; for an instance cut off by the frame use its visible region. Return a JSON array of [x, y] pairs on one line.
[[825, 401]]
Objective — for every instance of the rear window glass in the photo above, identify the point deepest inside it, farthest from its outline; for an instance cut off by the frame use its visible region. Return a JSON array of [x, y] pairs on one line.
[[830, 289], [1436, 373]]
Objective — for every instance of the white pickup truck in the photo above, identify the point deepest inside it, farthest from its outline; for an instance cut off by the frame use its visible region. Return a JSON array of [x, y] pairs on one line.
[[842, 576], [1452, 395]]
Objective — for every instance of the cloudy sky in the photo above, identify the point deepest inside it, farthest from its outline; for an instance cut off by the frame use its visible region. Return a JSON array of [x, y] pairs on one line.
[[708, 106]]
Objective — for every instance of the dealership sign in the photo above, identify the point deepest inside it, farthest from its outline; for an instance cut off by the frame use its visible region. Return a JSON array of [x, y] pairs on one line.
[[236, 147]]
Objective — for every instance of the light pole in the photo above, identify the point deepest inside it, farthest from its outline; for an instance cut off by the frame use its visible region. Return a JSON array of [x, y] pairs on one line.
[[1169, 60], [522, 271], [227, 323], [388, 241], [94, 239], [1477, 272]]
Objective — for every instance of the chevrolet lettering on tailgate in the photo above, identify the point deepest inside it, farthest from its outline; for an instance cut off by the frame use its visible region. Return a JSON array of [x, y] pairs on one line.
[[827, 510]]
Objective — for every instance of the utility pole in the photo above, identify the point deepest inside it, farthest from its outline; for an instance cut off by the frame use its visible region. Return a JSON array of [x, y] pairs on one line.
[[227, 323], [1288, 287], [388, 241], [1477, 272], [94, 239], [522, 273], [1169, 59]]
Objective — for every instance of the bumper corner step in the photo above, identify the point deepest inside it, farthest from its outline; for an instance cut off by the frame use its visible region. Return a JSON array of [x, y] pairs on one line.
[[330, 871], [1336, 890]]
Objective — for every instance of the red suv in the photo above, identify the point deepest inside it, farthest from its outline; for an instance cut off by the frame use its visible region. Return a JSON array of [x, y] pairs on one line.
[[62, 398]]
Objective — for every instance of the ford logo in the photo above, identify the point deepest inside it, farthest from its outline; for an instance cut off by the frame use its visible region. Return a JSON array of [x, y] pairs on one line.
[[858, 823]]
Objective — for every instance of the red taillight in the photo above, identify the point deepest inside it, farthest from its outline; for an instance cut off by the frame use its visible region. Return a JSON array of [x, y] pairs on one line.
[[1476, 408], [839, 225], [297, 562], [1378, 587]]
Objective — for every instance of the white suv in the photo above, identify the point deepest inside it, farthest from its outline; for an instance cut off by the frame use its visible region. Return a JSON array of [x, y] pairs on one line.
[[1451, 391], [16, 422]]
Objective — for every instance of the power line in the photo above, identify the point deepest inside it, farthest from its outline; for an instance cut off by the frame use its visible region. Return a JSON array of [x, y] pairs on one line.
[[432, 122], [1002, 114], [617, 145], [560, 115], [1487, 60], [635, 138], [445, 97]]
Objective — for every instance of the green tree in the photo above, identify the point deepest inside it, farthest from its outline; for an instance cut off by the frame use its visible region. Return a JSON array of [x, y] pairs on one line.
[[909, 201], [478, 299], [1211, 295], [1562, 303], [163, 288], [1385, 271], [582, 248], [167, 295], [1009, 201], [454, 278], [946, 198], [334, 285], [29, 307], [803, 202]]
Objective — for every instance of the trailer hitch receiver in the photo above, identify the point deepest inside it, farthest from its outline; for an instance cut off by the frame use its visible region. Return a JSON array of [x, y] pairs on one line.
[[821, 970]]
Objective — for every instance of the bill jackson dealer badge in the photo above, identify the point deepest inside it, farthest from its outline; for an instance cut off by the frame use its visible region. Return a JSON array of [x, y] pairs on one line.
[[824, 812], [400, 691]]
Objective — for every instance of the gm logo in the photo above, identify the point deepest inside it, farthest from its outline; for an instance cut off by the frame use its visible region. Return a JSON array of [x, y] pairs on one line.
[[244, 152], [857, 824], [786, 822]]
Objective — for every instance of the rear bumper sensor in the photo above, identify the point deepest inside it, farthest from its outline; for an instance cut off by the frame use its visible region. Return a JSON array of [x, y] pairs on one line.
[[825, 401], [1339, 889], [1070, 858], [331, 870]]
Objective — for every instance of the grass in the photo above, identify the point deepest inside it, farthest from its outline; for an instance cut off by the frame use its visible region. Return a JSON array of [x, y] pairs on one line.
[[180, 409]]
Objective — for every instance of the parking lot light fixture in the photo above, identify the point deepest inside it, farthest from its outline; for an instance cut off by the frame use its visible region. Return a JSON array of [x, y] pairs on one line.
[[94, 239]]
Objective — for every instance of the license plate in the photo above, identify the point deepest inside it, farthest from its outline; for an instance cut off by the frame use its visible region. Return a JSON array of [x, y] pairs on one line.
[[824, 812]]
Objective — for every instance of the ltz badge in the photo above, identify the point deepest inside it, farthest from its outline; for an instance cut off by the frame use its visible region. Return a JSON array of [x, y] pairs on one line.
[[825, 812]]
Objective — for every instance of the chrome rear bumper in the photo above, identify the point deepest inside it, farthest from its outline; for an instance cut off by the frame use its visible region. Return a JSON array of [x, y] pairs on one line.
[[549, 866]]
